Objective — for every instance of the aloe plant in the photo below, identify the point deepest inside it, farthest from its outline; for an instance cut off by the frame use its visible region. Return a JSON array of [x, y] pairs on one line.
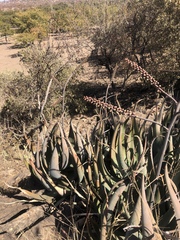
[[118, 169]]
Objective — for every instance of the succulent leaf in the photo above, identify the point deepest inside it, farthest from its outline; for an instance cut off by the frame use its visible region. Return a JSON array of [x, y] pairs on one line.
[[65, 150], [78, 164], [54, 170], [121, 156], [174, 199], [147, 224], [133, 228]]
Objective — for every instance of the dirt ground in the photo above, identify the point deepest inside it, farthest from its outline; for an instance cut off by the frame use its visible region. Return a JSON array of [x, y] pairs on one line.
[[9, 60], [10, 165]]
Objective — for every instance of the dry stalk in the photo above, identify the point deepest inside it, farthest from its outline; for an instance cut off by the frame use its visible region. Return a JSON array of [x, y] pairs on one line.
[[147, 76], [118, 110]]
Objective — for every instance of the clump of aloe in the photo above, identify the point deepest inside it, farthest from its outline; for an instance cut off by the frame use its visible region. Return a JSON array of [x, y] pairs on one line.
[[123, 172]]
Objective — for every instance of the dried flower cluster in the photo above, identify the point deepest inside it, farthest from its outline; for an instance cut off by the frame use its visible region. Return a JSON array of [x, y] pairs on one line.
[[147, 76], [144, 74], [109, 106]]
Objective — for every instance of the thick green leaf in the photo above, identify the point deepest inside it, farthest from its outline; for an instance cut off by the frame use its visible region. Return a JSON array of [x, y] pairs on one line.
[[64, 150], [141, 157], [54, 170], [147, 224], [114, 144], [77, 162], [132, 230], [108, 210], [122, 150], [174, 199]]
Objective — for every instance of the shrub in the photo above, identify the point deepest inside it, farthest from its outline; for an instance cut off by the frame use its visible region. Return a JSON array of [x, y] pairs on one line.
[[48, 89]]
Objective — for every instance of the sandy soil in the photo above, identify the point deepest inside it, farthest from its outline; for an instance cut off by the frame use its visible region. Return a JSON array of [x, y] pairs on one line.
[[9, 59]]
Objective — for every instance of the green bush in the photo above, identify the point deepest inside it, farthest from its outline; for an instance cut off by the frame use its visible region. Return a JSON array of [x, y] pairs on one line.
[[19, 106], [47, 89]]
